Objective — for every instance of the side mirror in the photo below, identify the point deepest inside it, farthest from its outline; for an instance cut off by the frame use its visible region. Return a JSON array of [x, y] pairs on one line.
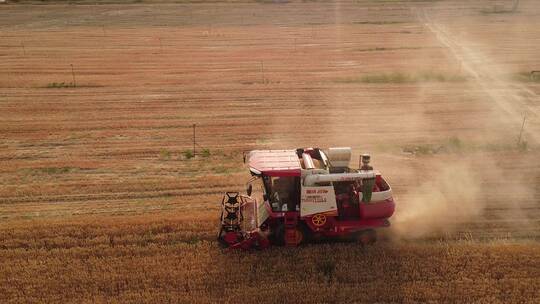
[[249, 189]]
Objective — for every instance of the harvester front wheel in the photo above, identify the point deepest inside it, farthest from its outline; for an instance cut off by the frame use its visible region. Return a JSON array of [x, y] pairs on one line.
[[278, 235], [299, 235], [302, 235]]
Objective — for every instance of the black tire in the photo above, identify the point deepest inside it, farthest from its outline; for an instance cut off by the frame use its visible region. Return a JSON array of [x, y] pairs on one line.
[[306, 231], [367, 237], [277, 237], [221, 241]]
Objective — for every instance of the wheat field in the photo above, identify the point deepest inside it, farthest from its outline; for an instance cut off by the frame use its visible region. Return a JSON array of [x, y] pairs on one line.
[[176, 259], [102, 200]]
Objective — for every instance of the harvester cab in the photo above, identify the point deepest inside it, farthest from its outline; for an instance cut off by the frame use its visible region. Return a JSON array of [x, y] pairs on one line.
[[306, 194]]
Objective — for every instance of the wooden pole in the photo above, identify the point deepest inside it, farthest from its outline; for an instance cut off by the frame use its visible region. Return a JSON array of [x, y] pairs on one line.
[[516, 5], [533, 74], [262, 71], [73, 75], [522, 127], [194, 125]]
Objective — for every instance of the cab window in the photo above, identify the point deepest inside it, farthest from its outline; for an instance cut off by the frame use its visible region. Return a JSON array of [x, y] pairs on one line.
[[282, 192]]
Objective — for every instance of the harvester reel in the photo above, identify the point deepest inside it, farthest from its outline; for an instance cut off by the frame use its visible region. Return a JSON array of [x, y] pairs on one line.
[[230, 233], [231, 217]]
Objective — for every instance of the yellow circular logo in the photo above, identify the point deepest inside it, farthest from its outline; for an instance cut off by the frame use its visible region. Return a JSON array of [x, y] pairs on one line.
[[318, 220]]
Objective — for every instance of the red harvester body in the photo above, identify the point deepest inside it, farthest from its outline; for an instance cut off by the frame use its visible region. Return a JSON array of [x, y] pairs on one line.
[[305, 194]]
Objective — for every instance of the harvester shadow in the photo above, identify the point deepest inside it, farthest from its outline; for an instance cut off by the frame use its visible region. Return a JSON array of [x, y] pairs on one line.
[[324, 271]]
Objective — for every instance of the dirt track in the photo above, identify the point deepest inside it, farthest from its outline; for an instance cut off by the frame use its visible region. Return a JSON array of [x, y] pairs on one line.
[[252, 76]]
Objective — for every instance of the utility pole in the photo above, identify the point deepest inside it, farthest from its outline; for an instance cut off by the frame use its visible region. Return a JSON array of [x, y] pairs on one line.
[[194, 125], [73, 75], [262, 71], [516, 5], [533, 74], [522, 127]]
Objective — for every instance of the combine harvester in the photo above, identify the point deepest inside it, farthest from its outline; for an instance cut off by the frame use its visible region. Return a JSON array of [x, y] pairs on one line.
[[305, 194]]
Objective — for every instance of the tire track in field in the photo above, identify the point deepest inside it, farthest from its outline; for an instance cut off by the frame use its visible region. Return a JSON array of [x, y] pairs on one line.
[[515, 100]]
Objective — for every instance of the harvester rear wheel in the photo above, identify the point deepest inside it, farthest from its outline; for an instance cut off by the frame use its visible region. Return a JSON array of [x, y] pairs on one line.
[[367, 237]]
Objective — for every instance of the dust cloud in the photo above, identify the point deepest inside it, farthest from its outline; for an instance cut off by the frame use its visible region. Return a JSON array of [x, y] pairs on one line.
[[441, 204], [458, 193]]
